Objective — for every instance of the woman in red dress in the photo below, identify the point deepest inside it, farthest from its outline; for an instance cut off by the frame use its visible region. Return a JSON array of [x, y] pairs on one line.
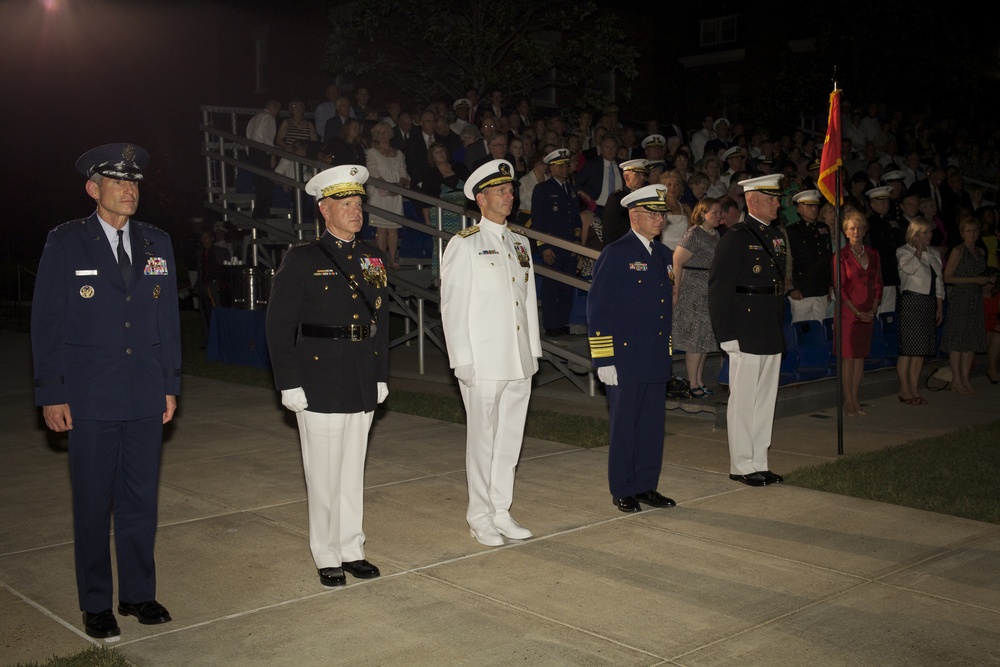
[[861, 292]]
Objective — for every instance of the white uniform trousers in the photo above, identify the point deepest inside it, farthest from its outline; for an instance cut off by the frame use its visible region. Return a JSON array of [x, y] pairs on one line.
[[333, 457], [809, 308], [753, 389], [495, 412]]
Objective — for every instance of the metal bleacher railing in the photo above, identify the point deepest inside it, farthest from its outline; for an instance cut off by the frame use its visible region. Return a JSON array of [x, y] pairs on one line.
[[224, 150]]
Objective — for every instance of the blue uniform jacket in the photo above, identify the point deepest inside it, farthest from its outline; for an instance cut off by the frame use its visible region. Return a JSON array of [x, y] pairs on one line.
[[629, 311], [110, 353], [554, 212]]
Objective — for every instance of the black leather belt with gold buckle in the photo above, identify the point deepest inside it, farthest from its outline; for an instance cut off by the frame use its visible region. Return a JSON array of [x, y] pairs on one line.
[[768, 290], [352, 332]]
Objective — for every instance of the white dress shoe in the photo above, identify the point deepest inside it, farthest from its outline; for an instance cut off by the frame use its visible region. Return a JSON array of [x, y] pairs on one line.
[[487, 536], [512, 529]]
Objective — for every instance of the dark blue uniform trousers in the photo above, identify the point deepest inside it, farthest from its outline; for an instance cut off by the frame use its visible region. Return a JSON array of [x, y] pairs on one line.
[[115, 465], [637, 411], [557, 297]]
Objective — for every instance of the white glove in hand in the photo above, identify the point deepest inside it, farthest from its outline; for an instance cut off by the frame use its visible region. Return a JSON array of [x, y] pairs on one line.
[[383, 391], [730, 346], [294, 399], [466, 375], [608, 375]]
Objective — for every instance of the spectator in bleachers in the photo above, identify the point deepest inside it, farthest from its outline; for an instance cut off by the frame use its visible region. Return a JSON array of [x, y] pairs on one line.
[[402, 130], [518, 159], [692, 327], [678, 214], [338, 119], [296, 127], [475, 152], [717, 186], [538, 172], [861, 293], [964, 327], [346, 147], [920, 308], [326, 110], [386, 163]]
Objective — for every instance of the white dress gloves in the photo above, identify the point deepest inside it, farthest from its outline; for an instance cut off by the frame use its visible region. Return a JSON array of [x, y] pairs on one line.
[[730, 346], [383, 391], [466, 374], [608, 375], [294, 399]]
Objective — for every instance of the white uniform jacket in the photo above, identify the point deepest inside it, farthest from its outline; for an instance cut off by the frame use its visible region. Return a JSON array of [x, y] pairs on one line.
[[488, 303]]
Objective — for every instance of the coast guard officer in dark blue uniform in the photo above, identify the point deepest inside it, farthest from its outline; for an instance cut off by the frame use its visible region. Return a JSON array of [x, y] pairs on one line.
[[555, 210], [629, 318], [105, 336]]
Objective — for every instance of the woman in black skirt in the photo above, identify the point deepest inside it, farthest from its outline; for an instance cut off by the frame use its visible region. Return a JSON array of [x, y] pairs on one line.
[[920, 306]]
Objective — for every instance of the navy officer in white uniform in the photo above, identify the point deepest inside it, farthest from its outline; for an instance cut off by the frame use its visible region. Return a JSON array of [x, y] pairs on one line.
[[490, 317], [105, 336], [328, 337], [629, 319]]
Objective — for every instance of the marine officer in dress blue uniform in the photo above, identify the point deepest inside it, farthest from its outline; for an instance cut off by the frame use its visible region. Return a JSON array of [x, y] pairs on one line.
[[746, 287], [555, 210], [629, 318], [328, 337], [105, 337], [490, 317]]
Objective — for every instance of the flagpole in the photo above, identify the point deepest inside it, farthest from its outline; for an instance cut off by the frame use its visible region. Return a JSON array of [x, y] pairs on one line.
[[831, 166]]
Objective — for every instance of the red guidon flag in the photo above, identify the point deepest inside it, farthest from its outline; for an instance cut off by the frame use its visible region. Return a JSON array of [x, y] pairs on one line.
[[830, 163]]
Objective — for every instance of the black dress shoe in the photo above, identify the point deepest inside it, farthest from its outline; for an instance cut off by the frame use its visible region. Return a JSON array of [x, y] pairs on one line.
[[628, 504], [770, 477], [150, 612], [101, 625], [753, 479], [361, 569], [332, 576], [655, 499]]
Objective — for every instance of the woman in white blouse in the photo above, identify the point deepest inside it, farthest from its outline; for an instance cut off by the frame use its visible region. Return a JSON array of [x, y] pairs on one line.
[[920, 306]]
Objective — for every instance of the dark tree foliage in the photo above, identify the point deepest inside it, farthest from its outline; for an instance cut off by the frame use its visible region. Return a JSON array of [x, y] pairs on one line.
[[437, 49]]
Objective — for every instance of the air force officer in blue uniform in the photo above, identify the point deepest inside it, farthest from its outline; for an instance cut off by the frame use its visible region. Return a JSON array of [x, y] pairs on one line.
[[105, 337], [629, 317]]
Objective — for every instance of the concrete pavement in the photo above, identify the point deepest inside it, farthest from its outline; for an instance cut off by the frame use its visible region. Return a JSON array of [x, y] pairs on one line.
[[733, 575]]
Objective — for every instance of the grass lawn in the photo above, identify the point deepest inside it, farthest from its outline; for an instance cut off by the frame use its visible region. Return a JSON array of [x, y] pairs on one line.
[[955, 474]]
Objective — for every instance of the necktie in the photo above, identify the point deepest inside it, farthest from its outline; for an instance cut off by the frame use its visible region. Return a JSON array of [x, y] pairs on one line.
[[611, 178], [124, 265]]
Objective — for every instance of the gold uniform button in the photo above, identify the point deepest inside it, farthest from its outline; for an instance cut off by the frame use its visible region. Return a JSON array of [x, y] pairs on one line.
[[128, 298], [128, 350], [354, 295], [518, 327], [376, 353], [355, 316], [350, 257], [516, 303], [512, 280], [640, 282], [352, 276], [128, 324], [315, 358], [326, 287]]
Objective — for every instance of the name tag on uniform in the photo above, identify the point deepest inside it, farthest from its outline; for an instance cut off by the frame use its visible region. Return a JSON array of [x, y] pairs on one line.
[[86, 272], [638, 266], [155, 266]]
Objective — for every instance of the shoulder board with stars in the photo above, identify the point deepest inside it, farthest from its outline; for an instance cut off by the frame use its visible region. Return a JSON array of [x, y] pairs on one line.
[[516, 230], [147, 225], [468, 231]]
